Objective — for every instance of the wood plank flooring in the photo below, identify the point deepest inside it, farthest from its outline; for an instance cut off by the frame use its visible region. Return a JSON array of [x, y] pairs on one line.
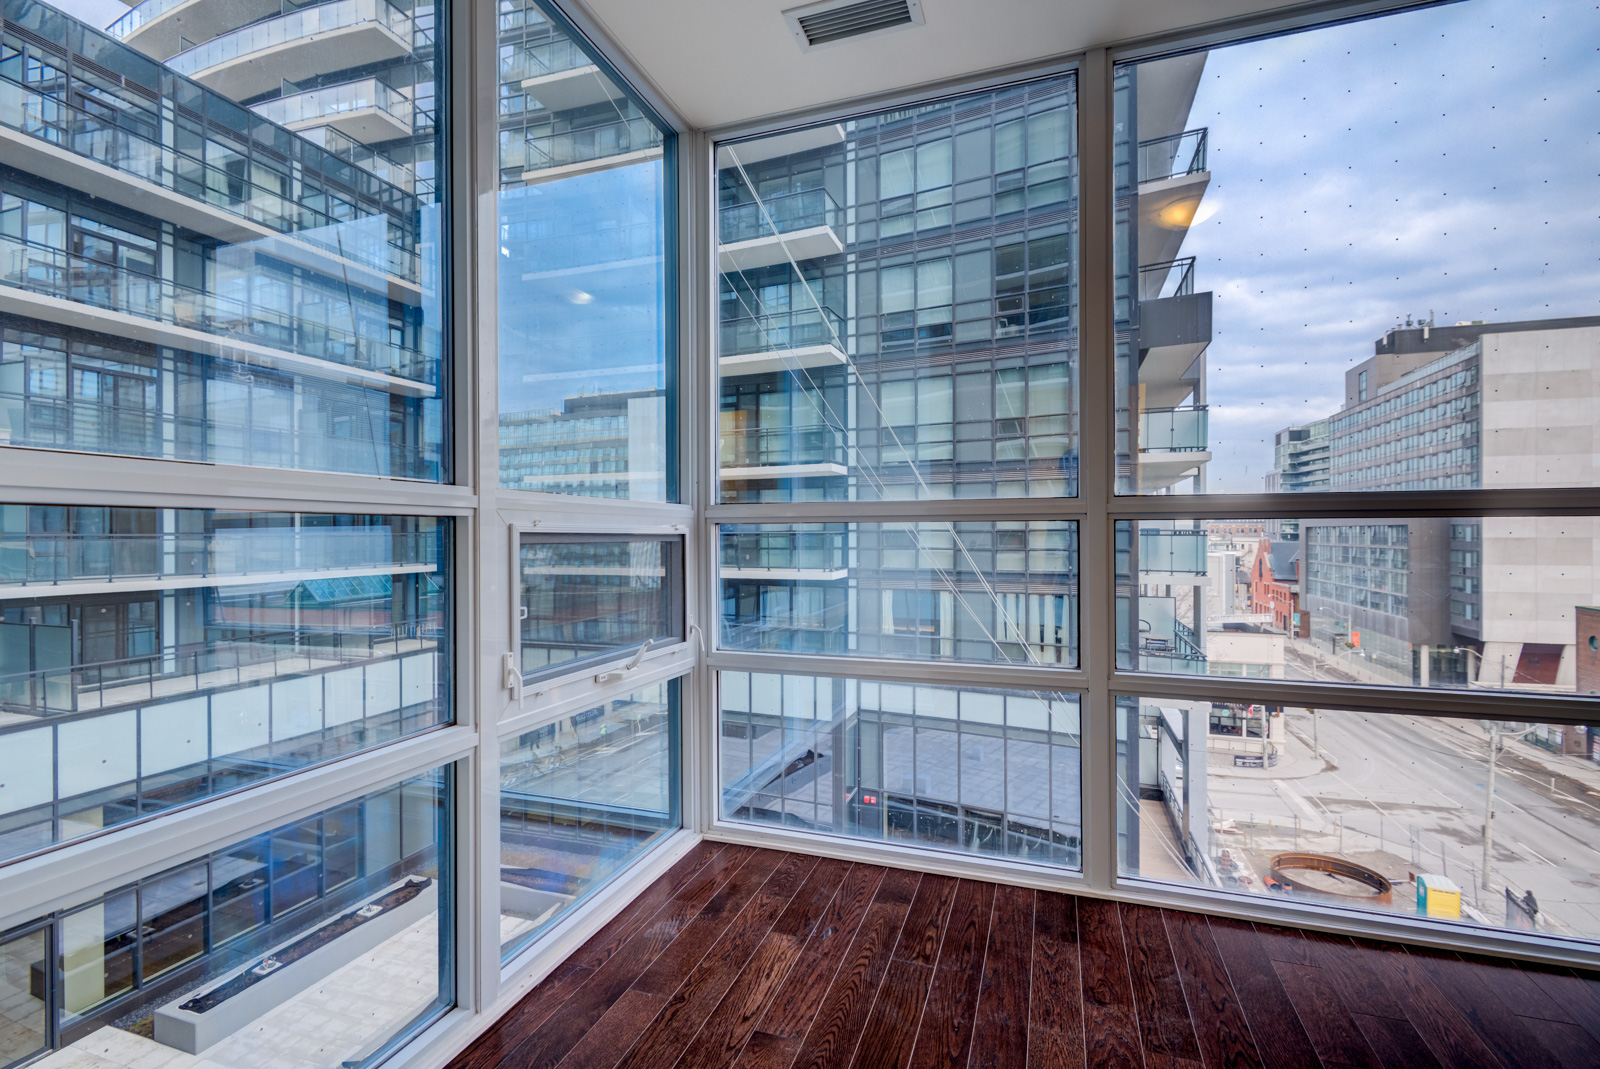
[[740, 958]]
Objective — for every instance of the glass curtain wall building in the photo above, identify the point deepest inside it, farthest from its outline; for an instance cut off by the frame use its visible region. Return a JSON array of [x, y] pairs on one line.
[[440, 485]]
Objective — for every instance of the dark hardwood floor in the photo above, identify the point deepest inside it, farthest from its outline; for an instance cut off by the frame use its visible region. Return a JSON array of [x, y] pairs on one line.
[[744, 957]]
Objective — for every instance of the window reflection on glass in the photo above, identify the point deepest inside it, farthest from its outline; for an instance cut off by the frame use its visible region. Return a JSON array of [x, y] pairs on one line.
[[968, 769], [1323, 287], [1003, 592], [1376, 811], [590, 600], [1500, 603], [585, 388], [580, 800], [220, 236], [173, 963], [150, 658], [898, 312]]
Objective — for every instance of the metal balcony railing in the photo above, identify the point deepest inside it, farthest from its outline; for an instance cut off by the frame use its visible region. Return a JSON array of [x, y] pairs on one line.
[[544, 151], [781, 214], [139, 148], [781, 330], [55, 273], [294, 26], [1172, 156], [1170, 278], [1173, 429], [759, 448]]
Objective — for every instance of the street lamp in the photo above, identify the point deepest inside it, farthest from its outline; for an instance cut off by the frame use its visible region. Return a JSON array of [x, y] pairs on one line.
[[1470, 652]]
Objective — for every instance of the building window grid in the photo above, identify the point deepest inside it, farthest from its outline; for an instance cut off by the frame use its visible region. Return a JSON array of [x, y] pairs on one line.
[[1111, 506]]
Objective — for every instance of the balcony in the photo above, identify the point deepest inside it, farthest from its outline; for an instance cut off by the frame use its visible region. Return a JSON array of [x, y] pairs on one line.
[[786, 341], [161, 28], [797, 226], [782, 453], [1173, 278], [57, 287], [1172, 180], [34, 565], [785, 555], [258, 58], [1164, 551], [133, 161], [368, 111], [369, 159], [1166, 643], [1173, 444], [591, 148], [772, 147]]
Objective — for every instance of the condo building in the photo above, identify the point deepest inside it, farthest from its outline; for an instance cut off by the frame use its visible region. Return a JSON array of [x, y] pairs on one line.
[[540, 532]]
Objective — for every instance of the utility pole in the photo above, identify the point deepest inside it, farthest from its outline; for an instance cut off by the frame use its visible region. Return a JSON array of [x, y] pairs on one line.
[[1488, 802]]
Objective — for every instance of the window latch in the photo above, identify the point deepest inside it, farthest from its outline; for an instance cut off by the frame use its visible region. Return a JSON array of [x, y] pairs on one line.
[[612, 677], [512, 680]]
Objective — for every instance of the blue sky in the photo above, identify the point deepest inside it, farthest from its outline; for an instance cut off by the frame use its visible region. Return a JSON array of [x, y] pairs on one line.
[[1446, 159]]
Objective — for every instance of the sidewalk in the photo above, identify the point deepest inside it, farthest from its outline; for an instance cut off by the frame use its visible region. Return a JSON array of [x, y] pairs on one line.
[[1295, 760], [1580, 769]]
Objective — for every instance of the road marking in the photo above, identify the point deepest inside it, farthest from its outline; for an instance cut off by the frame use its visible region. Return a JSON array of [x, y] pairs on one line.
[[1528, 851], [1299, 803]]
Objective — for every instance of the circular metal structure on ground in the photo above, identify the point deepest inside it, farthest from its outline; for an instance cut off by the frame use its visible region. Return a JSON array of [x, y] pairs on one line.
[[1375, 885]]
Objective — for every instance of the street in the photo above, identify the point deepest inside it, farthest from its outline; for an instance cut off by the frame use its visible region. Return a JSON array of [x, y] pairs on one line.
[[1404, 795]]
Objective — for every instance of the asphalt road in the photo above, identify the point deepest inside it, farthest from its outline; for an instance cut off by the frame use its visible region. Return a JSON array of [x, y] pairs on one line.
[[1415, 790]]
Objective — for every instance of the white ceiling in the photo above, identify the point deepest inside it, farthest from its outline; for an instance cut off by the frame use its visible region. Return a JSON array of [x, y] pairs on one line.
[[719, 62]]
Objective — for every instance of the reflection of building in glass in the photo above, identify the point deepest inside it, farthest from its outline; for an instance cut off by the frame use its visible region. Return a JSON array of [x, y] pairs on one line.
[[181, 277], [975, 770], [150, 658]]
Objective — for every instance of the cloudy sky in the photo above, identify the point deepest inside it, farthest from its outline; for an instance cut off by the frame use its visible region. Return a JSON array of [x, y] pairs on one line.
[[1444, 160]]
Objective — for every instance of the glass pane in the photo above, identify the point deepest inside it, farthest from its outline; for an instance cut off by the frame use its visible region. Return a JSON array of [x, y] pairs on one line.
[[1318, 287], [1459, 821], [899, 304], [591, 599], [580, 800], [1004, 592], [1501, 602], [968, 769], [363, 961], [24, 1009], [586, 403], [151, 657], [220, 235]]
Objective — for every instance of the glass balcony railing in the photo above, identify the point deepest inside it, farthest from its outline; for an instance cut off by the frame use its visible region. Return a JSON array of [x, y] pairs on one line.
[[145, 13], [295, 26], [781, 214], [1165, 550], [1178, 653], [365, 157], [47, 559], [537, 60], [542, 152], [300, 328], [824, 551], [138, 150], [1173, 429], [1172, 278], [782, 330], [332, 101], [758, 447], [1171, 157]]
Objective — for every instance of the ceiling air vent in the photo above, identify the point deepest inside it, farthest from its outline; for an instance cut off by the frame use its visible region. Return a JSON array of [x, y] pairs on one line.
[[834, 20]]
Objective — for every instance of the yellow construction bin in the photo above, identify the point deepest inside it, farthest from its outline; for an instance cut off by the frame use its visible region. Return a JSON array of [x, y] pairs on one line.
[[1438, 896]]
